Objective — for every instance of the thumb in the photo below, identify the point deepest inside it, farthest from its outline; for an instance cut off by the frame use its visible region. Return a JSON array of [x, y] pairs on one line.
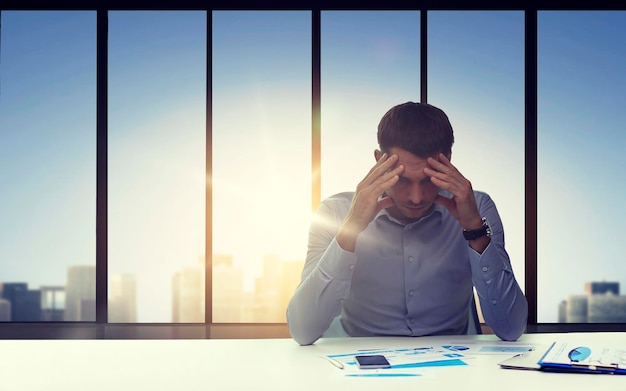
[[385, 202], [446, 202]]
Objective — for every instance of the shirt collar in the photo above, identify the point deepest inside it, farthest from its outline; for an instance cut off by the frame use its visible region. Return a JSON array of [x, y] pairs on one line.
[[437, 211]]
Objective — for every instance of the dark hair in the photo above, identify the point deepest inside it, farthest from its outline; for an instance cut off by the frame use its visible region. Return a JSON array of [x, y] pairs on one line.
[[419, 128]]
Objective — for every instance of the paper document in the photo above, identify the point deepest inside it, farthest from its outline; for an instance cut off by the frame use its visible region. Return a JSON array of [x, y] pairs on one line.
[[400, 359], [566, 356]]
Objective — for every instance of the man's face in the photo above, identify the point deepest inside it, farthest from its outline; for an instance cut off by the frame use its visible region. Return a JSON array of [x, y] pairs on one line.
[[414, 193]]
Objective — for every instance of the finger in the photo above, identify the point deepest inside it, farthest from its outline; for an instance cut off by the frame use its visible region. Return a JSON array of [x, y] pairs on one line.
[[444, 171], [446, 202], [438, 162], [441, 165], [448, 183], [442, 181], [387, 180], [382, 171], [383, 165], [385, 202]]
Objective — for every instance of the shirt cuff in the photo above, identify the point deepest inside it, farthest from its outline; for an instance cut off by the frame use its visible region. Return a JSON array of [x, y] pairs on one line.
[[487, 265], [337, 263]]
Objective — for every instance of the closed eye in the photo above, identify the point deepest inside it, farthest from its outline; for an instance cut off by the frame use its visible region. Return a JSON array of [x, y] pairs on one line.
[[403, 180]]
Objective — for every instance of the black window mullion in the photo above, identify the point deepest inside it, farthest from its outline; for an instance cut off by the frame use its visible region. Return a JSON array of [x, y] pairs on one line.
[[316, 144], [208, 302], [530, 164], [101, 166], [423, 56]]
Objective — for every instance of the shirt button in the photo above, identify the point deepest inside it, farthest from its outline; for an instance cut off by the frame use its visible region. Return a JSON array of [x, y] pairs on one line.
[[351, 267], [493, 301], [411, 259], [412, 320], [485, 268], [411, 293], [340, 301]]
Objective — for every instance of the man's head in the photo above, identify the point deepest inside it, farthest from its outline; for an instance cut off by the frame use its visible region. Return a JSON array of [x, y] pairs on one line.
[[419, 128], [414, 132]]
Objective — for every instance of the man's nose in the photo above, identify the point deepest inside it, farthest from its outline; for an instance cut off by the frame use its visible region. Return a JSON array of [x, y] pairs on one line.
[[416, 193]]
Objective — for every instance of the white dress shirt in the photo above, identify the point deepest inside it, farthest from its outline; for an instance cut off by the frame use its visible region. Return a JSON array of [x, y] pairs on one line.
[[404, 279]]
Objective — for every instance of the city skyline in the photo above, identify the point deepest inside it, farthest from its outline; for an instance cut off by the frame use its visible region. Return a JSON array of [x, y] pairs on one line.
[[266, 302], [601, 301]]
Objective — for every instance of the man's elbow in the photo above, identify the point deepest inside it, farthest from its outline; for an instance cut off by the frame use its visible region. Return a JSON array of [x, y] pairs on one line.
[[302, 338], [510, 335], [298, 330], [512, 330]]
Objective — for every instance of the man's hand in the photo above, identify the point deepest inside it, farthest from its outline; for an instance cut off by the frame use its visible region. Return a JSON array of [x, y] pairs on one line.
[[462, 205], [367, 202]]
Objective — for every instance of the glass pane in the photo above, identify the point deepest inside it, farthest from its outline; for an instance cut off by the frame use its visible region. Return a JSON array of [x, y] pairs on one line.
[[581, 184], [370, 62], [157, 143], [476, 75], [261, 149], [48, 165]]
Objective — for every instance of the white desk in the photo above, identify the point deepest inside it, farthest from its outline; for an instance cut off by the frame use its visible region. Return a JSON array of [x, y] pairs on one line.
[[267, 364]]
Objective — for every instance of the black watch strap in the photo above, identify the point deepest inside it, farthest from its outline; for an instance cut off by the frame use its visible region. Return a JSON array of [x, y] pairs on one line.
[[485, 230]]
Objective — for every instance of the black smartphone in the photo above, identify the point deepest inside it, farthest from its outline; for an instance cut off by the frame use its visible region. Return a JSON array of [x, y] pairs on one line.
[[372, 361]]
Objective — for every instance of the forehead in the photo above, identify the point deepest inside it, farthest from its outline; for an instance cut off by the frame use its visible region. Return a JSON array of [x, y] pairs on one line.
[[413, 165]]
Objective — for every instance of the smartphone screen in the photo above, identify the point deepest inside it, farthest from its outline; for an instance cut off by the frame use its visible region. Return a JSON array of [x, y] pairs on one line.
[[372, 361]]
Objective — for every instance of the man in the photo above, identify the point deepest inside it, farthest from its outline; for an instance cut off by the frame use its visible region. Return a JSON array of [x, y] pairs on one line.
[[401, 255]]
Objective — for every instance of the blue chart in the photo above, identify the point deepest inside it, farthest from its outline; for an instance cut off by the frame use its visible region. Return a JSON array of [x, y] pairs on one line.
[[456, 348], [579, 354]]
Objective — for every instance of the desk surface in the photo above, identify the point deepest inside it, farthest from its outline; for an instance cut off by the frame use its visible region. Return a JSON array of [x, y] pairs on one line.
[[269, 364]]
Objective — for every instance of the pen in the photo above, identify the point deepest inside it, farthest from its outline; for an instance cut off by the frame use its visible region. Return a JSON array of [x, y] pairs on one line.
[[335, 362]]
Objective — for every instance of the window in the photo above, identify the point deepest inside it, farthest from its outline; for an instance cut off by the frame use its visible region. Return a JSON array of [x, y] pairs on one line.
[[260, 150], [156, 166], [476, 75], [580, 181], [369, 63], [261, 146], [48, 160]]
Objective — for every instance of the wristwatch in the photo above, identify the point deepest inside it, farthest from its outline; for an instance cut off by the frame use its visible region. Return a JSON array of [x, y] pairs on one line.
[[485, 230]]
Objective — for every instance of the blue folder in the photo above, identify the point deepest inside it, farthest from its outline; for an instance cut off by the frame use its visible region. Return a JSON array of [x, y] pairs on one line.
[[583, 358]]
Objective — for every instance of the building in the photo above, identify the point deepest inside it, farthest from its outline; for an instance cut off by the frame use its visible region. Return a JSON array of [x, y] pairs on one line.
[[606, 308], [25, 303], [601, 303], [600, 288], [5, 310], [576, 309], [122, 298], [52, 303], [80, 294], [227, 290], [188, 295]]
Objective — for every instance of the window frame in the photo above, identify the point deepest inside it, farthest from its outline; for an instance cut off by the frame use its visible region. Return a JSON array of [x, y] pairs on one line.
[[102, 329]]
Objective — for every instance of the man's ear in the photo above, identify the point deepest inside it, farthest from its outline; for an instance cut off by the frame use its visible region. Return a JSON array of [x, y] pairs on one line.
[[377, 154], [449, 156]]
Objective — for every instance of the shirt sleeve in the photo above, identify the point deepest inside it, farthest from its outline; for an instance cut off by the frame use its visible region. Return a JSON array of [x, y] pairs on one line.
[[502, 302], [326, 278]]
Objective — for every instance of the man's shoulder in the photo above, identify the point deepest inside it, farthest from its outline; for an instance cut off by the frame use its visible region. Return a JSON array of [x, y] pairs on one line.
[[481, 194], [483, 199], [339, 203], [342, 198]]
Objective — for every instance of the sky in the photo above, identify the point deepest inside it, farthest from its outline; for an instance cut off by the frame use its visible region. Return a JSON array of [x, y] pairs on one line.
[[261, 134]]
